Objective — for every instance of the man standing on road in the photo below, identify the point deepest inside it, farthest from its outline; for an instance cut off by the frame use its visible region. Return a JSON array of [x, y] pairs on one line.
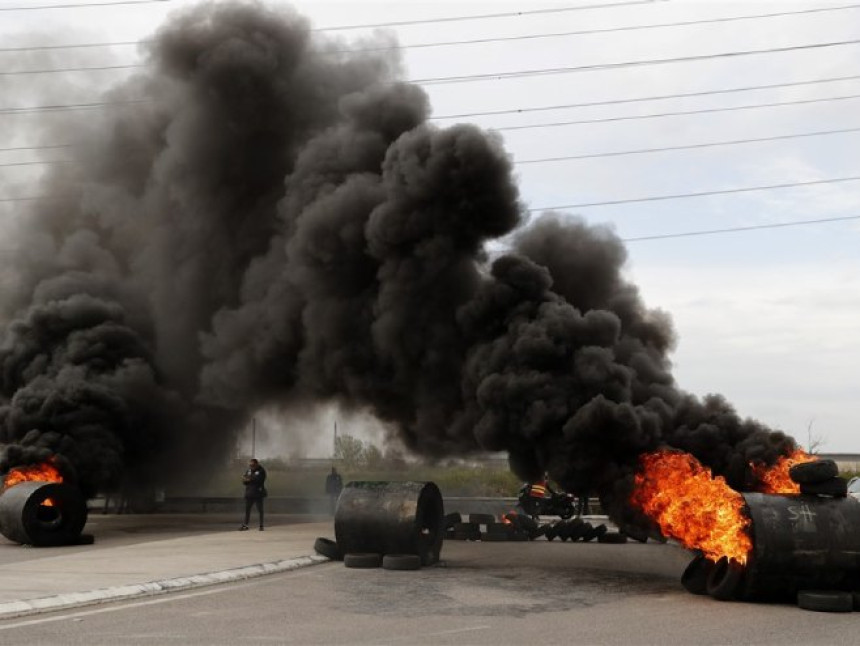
[[254, 480]]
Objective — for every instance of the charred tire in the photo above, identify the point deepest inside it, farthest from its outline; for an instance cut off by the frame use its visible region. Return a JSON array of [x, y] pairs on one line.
[[724, 579], [482, 519], [812, 472], [451, 519], [550, 532], [458, 536], [496, 537], [85, 539], [825, 601], [401, 562], [695, 577], [578, 529], [328, 548], [362, 560], [636, 533], [612, 537], [834, 487]]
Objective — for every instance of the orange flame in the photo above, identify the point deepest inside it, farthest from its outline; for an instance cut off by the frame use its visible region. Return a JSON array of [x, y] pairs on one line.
[[775, 478], [692, 506], [44, 472]]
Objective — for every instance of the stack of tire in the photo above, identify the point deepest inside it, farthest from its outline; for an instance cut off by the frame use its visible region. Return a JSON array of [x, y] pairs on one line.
[[819, 478], [577, 529], [329, 548]]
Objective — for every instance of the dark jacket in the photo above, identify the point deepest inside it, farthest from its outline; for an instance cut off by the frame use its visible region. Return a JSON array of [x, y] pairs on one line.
[[254, 480]]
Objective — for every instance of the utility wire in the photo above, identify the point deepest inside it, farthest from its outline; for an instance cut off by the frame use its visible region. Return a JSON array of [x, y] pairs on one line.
[[20, 148], [521, 73], [107, 104], [509, 14], [480, 41], [708, 144], [775, 225], [71, 106], [546, 71], [684, 95], [679, 196], [615, 153], [584, 32], [79, 5], [677, 114]]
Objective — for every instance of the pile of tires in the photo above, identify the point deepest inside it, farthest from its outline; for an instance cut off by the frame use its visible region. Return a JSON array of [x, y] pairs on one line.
[[577, 529], [365, 560], [819, 478], [485, 527]]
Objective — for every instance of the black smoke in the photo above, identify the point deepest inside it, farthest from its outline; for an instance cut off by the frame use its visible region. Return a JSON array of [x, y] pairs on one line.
[[279, 223]]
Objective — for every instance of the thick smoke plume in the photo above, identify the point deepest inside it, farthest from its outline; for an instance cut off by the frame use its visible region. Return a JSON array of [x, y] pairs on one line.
[[280, 223]]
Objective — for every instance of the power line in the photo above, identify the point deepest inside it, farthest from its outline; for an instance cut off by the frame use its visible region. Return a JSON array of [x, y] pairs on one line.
[[20, 148], [684, 95], [79, 5], [775, 225], [481, 41], [679, 196], [65, 107], [493, 76], [521, 73], [678, 113], [584, 32], [46, 162], [687, 147], [510, 14], [64, 70]]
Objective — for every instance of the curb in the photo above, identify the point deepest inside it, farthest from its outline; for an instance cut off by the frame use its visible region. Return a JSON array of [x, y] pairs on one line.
[[25, 607]]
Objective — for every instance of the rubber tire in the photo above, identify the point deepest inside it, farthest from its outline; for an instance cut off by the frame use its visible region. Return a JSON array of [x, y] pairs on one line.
[[835, 487], [482, 519], [695, 577], [579, 529], [812, 472], [615, 538], [724, 579], [496, 537], [328, 548], [401, 562], [85, 539], [452, 519], [550, 532], [362, 560], [458, 536], [825, 600]]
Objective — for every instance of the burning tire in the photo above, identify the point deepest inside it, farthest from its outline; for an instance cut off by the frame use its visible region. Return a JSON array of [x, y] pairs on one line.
[[42, 514], [362, 560], [724, 579], [328, 548], [834, 487], [695, 577], [825, 601], [812, 472], [401, 562]]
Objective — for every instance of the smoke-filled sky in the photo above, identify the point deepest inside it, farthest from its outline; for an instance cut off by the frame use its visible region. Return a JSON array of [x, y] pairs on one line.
[[277, 221]]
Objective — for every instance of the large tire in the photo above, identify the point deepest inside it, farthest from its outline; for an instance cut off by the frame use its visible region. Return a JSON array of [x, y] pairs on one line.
[[724, 579], [362, 560], [695, 577], [812, 472], [612, 537], [834, 487], [328, 548], [401, 562], [825, 601]]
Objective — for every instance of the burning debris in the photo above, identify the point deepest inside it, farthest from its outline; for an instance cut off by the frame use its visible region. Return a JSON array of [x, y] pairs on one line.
[[278, 222]]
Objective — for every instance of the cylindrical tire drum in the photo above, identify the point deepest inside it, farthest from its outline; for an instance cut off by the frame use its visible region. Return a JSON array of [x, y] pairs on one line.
[[801, 543], [24, 519], [391, 518]]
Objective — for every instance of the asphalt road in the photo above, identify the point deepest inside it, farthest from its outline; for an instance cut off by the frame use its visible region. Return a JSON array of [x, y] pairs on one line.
[[483, 593]]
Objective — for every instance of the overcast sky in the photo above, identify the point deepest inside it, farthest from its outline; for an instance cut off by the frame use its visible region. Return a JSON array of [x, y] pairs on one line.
[[767, 316]]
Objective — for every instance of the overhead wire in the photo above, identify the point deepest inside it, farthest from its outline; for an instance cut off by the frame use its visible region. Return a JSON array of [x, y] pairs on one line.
[[756, 227], [708, 144], [659, 97], [679, 113], [681, 196], [547, 71], [483, 41], [81, 5]]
